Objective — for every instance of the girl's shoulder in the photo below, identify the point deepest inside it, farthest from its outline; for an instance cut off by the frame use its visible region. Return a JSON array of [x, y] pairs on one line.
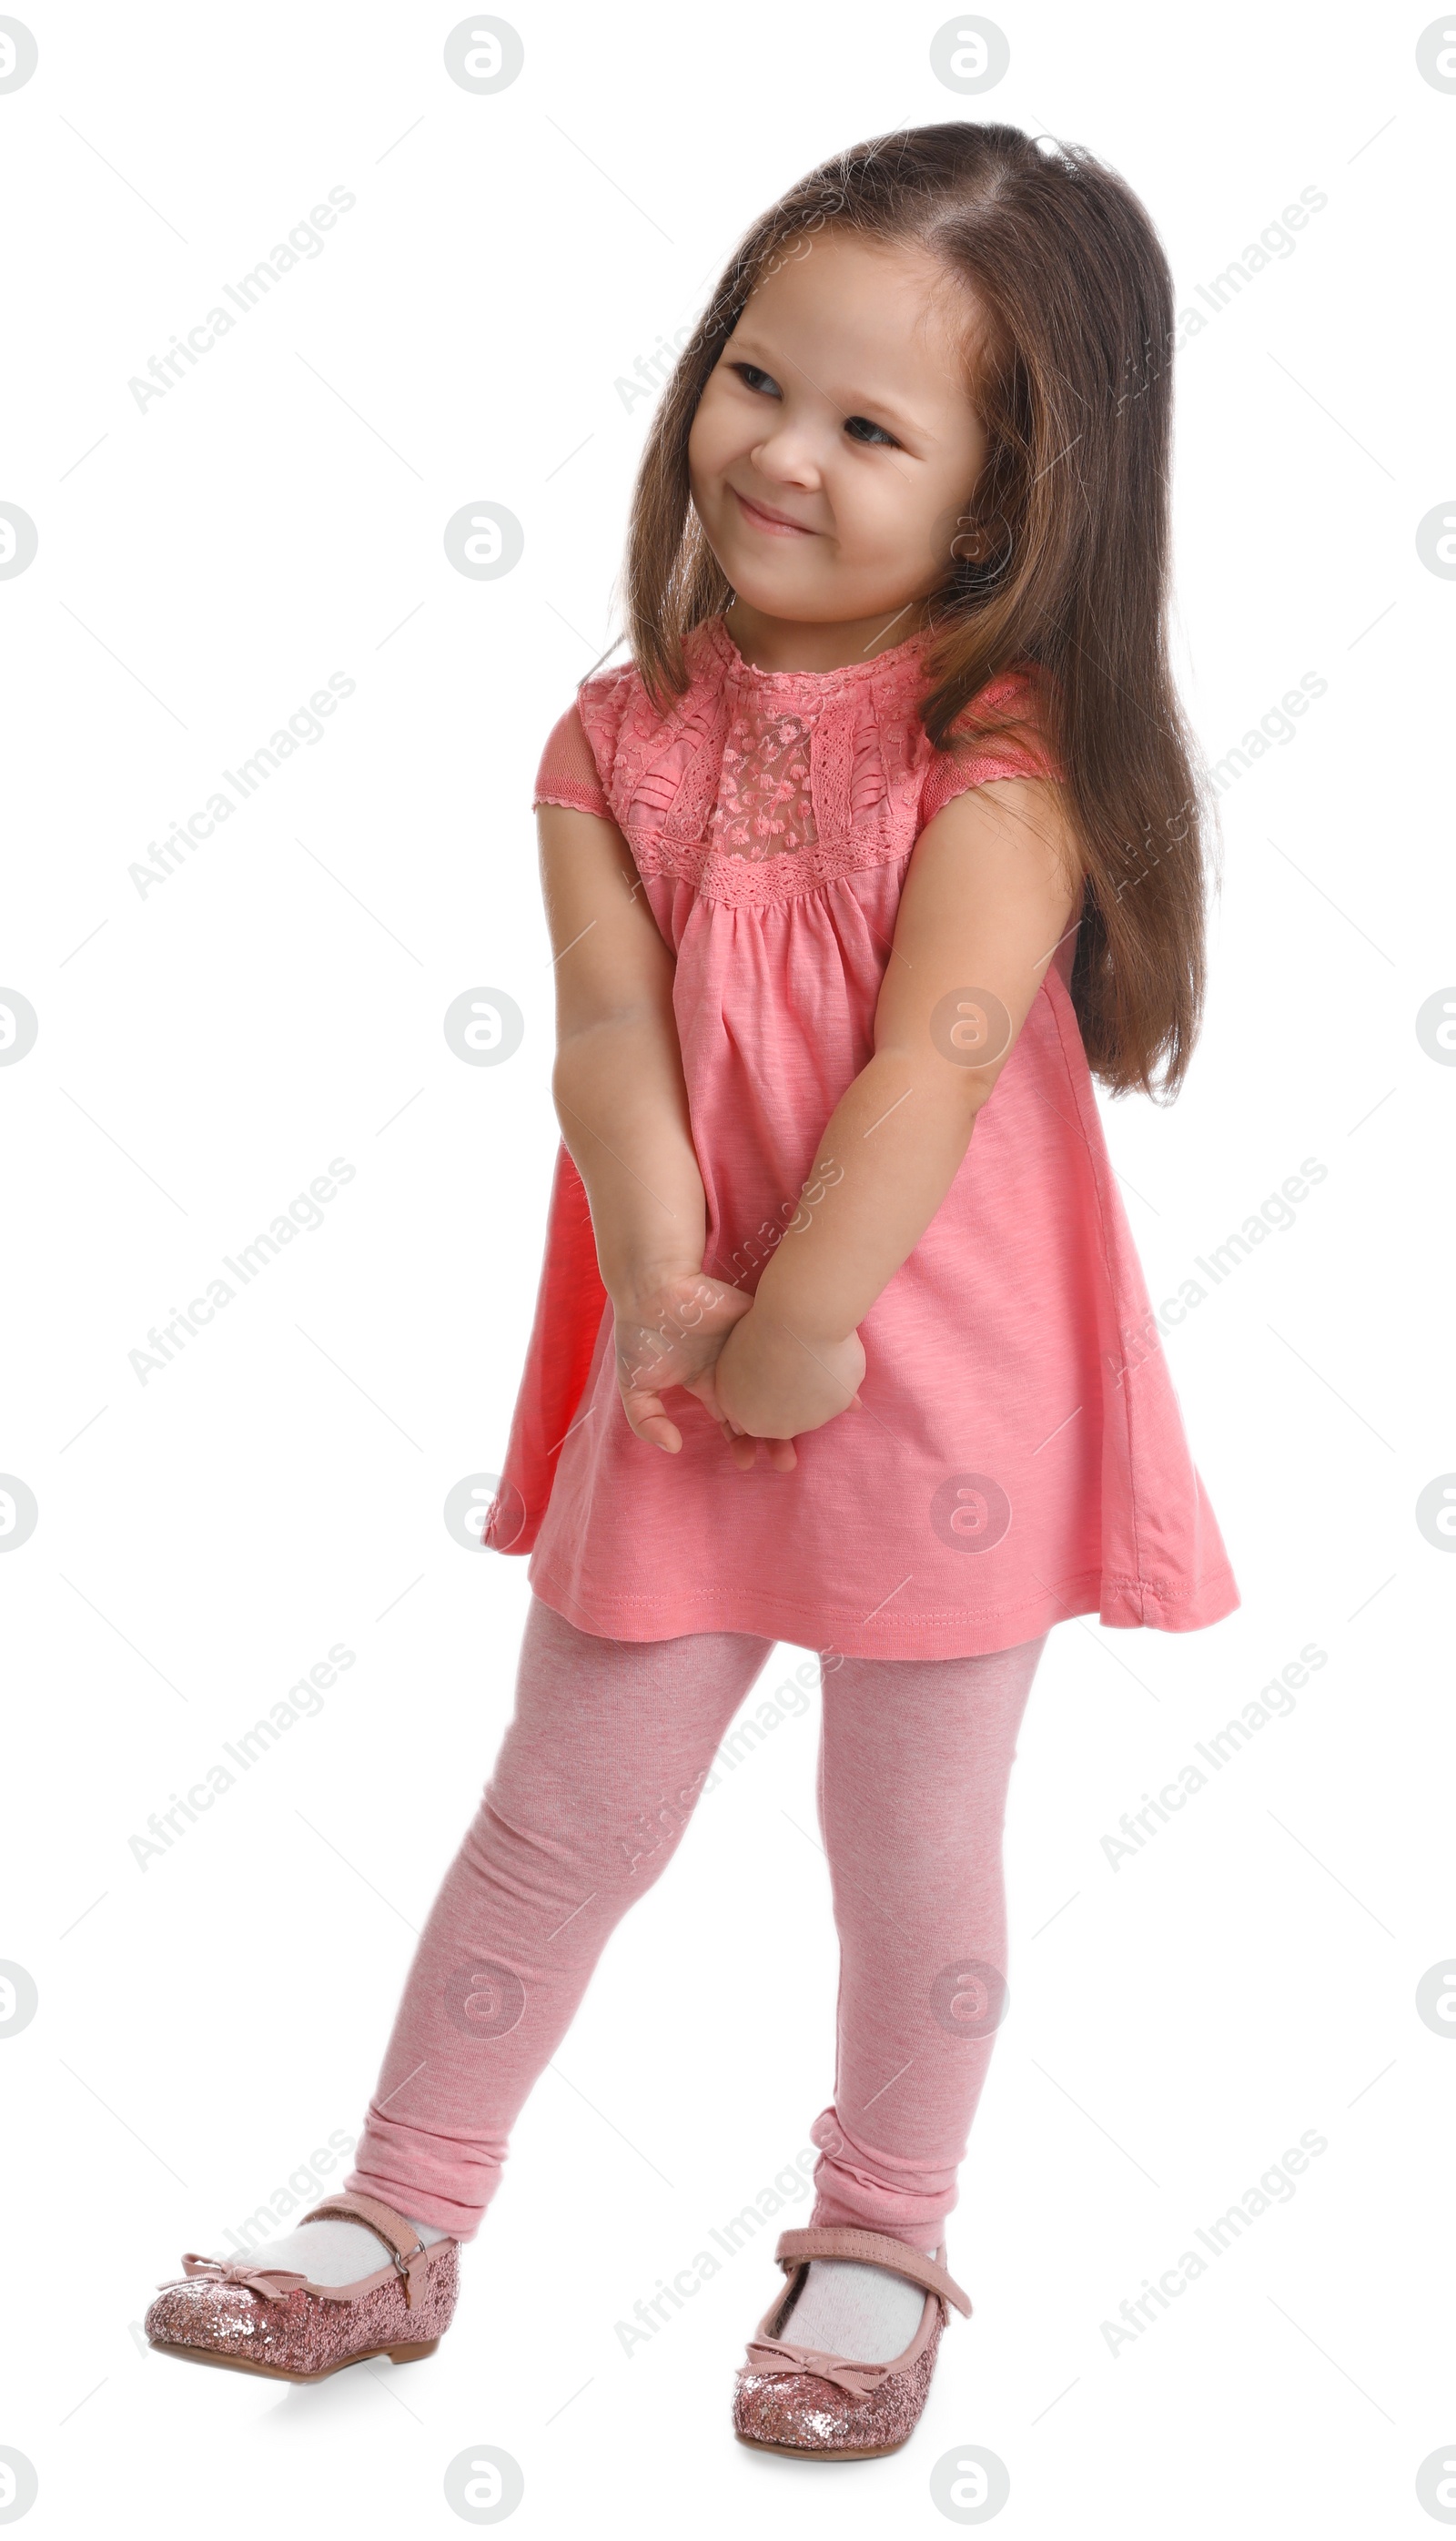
[[613, 700], [642, 750], [609, 730], [1003, 730]]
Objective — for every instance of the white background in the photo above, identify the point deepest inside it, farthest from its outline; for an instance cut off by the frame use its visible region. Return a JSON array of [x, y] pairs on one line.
[[205, 1052]]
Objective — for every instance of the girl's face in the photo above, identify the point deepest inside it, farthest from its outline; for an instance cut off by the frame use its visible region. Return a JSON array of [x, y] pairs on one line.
[[834, 445]]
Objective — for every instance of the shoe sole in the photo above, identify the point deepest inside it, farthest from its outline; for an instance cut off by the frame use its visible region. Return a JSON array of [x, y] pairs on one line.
[[823, 2453], [280, 2372]]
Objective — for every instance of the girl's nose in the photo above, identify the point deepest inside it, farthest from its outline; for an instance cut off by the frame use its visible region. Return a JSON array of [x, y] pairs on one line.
[[788, 456]]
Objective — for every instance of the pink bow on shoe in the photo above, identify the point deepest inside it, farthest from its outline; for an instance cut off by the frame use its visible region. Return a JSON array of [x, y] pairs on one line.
[[777, 2356], [271, 2283]]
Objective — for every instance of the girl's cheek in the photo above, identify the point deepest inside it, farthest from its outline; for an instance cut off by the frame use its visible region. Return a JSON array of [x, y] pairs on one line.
[[715, 428], [705, 466], [700, 436]]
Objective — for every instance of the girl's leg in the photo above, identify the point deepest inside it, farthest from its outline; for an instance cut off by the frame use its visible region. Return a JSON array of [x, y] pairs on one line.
[[596, 1778], [914, 1762]]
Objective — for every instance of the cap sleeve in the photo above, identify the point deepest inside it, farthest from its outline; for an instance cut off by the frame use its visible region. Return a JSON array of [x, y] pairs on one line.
[[567, 774], [1017, 747]]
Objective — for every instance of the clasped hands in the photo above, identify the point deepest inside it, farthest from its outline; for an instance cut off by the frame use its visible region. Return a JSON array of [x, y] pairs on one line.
[[754, 1375]]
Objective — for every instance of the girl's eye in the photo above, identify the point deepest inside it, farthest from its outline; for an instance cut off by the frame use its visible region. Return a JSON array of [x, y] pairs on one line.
[[860, 428], [873, 436]]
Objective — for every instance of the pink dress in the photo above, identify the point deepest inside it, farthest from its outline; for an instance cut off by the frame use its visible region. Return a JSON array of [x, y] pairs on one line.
[[1020, 1456]]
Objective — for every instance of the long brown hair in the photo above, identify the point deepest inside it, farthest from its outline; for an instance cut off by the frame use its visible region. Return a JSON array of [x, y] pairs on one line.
[[1061, 570]]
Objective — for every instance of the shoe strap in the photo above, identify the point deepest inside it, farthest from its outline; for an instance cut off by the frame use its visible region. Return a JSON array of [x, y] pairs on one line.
[[871, 2250], [411, 2257]]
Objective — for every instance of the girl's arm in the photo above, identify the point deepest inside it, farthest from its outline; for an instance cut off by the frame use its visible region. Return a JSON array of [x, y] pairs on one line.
[[990, 890], [622, 1106], [618, 1080]]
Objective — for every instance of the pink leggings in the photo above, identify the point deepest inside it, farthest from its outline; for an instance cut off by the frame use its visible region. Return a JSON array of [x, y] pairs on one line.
[[595, 1777]]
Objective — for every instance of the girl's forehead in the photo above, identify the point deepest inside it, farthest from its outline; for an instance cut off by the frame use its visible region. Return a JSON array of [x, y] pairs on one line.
[[871, 297], [842, 262]]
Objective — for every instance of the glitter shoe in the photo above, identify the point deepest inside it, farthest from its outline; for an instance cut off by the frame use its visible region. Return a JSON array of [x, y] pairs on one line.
[[259, 2319], [795, 2400]]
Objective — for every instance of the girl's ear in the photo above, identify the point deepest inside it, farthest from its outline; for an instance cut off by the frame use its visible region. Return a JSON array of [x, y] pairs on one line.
[[985, 543]]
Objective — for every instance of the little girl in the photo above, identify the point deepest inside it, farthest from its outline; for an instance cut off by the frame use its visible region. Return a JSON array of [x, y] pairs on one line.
[[886, 837]]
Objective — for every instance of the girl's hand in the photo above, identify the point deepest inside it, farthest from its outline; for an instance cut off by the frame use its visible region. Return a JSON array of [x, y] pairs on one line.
[[670, 1331], [772, 1385]]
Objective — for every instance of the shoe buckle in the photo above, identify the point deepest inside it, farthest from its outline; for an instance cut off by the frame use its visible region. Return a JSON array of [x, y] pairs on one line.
[[404, 2268]]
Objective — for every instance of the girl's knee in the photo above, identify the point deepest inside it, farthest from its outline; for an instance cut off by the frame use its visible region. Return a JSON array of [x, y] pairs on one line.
[[641, 1851], [616, 1843]]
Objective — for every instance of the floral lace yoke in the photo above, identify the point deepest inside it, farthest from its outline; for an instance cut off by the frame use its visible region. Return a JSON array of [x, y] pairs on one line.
[[757, 785]]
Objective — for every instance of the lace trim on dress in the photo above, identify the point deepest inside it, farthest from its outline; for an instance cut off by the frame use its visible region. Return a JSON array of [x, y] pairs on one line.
[[757, 786]]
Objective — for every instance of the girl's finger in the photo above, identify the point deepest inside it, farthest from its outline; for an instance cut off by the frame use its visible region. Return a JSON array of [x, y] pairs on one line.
[[648, 1419]]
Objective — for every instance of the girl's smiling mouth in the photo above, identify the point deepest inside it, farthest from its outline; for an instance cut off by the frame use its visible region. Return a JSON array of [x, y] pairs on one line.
[[775, 523]]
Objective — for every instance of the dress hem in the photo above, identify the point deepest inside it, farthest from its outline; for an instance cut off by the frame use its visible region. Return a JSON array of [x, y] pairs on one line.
[[1119, 1604]]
